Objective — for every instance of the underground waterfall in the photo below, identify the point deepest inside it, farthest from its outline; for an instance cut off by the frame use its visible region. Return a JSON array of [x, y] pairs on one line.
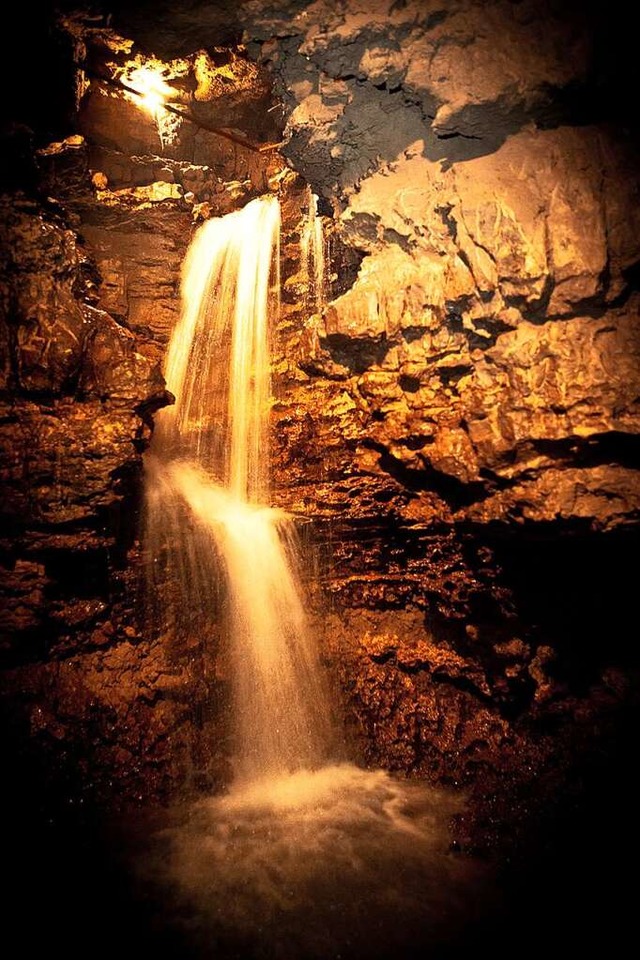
[[210, 460], [305, 850], [436, 526]]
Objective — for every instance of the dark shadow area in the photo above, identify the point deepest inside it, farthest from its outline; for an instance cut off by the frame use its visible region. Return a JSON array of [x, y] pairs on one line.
[[73, 888], [577, 593]]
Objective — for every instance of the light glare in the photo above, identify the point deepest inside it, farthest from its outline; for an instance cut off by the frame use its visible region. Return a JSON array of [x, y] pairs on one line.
[[150, 89]]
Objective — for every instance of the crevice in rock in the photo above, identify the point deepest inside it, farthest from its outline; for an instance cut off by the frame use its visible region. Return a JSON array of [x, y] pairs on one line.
[[449, 376], [455, 134], [595, 450], [357, 355], [493, 326], [453, 491], [459, 683], [631, 275]]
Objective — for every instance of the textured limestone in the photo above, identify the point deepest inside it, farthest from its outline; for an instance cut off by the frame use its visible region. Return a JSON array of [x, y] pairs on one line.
[[62, 459], [45, 322], [133, 705], [417, 705], [71, 430], [363, 81], [507, 343], [138, 249]]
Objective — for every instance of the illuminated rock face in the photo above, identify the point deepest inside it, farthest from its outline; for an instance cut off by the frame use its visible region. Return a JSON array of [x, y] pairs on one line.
[[478, 382], [78, 391], [491, 336], [460, 421], [363, 81], [493, 328]]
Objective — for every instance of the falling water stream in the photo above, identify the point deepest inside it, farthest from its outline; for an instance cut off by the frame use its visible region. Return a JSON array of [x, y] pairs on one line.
[[210, 459], [306, 855]]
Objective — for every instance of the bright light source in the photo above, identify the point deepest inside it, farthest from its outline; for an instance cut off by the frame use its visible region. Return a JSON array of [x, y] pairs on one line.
[[150, 89]]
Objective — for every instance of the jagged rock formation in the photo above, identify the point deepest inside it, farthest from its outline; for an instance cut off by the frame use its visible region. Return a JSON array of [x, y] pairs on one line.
[[457, 414], [506, 349], [494, 359]]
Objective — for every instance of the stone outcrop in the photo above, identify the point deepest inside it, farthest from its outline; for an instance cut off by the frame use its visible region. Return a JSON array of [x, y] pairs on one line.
[[362, 81], [507, 345]]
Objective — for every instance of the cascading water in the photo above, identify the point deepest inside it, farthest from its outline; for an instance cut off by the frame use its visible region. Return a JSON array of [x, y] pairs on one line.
[[210, 459], [303, 857]]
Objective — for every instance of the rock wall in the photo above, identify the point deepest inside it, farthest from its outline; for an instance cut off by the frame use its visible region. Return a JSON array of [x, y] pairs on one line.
[[466, 403], [489, 344], [456, 410]]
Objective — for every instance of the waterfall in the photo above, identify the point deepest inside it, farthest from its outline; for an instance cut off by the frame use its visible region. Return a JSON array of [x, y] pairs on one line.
[[207, 490], [303, 856]]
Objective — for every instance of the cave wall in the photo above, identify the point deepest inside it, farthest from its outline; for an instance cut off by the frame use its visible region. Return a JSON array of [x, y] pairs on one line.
[[466, 403], [456, 411], [488, 346]]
